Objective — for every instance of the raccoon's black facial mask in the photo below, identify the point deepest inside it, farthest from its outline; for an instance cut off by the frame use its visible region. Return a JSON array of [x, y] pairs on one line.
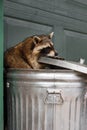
[[46, 50]]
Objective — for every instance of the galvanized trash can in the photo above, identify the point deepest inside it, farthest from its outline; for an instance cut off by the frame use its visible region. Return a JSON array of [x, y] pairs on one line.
[[46, 100]]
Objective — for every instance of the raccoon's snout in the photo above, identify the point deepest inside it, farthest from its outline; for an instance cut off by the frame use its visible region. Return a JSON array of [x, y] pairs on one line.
[[56, 53]]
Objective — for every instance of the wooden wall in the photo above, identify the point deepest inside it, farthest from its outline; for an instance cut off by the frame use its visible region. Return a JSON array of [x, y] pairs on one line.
[[67, 18]]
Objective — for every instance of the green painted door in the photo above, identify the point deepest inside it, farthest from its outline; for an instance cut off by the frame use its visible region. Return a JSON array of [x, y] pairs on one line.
[[67, 18], [1, 65]]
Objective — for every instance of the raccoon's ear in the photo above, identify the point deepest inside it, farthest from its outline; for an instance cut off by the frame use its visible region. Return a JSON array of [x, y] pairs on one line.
[[36, 39], [51, 35]]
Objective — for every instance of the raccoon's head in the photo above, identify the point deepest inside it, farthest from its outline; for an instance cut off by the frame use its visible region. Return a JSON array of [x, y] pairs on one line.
[[43, 45]]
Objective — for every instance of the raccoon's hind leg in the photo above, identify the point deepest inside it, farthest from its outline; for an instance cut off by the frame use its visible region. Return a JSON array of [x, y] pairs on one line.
[[16, 62]]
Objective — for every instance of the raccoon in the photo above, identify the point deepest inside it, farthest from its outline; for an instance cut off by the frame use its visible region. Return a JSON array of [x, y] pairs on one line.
[[26, 53]]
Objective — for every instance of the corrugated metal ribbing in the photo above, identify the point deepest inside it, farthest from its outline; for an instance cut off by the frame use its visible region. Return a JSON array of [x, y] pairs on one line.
[[84, 113], [13, 113], [29, 112], [59, 106], [75, 114]]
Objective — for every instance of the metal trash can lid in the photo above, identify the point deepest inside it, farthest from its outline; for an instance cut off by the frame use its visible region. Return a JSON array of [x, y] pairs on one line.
[[80, 67]]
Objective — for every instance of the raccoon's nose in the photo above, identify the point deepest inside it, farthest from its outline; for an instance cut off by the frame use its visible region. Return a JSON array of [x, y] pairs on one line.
[[56, 54]]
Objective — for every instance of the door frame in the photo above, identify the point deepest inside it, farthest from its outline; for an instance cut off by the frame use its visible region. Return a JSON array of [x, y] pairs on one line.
[[1, 64]]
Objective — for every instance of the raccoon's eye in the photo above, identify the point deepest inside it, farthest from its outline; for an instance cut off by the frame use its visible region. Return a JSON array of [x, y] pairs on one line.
[[46, 50]]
